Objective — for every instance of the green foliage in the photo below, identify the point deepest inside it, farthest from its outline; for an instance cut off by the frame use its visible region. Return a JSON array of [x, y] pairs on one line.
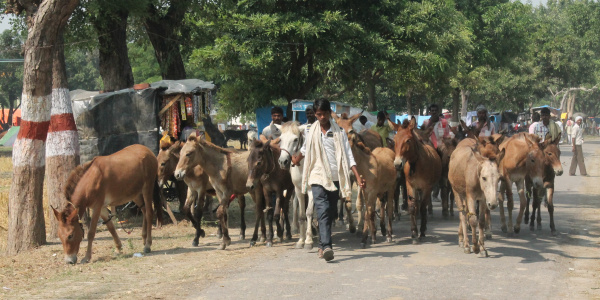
[[11, 74]]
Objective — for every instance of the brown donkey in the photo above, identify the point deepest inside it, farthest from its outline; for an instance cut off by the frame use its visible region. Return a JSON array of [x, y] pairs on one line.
[[523, 157], [473, 174], [552, 168], [422, 169], [128, 175], [380, 174], [266, 172], [197, 187], [227, 171]]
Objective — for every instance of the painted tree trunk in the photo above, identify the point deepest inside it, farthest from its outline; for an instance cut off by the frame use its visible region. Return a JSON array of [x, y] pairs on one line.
[[465, 102], [26, 228], [114, 65], [62, 146]]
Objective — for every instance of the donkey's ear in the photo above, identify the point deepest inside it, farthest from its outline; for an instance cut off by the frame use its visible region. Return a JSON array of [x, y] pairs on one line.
[[498, 138], [412, 125], [192, 137], [73, 214], [335, 116], [56, 213], [557, 140]]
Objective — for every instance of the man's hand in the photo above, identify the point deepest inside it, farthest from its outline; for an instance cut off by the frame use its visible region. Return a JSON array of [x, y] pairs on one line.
[[573, 150], [361, 182], [296, 159]]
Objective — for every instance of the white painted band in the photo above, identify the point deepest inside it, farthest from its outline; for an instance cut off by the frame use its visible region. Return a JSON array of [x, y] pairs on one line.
[[61, 102], [27, 152], [35, 109], [62, 143]]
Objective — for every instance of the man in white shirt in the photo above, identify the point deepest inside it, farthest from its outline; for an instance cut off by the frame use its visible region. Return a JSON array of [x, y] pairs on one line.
[[577, 138], [327, 175], [273, 130], [363, 124], [483, 124]]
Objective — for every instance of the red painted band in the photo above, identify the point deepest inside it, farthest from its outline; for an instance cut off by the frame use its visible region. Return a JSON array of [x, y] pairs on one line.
[[33, 130], [62, 122]]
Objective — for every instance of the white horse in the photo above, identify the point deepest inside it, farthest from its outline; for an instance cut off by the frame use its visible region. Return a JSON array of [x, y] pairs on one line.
[[291, 140]]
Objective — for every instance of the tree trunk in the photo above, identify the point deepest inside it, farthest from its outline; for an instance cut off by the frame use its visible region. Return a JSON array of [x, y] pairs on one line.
[[62, 147], [409, 104], [455, 105], [464, 103], [571, 104], [371, 101], [162, 32], [115, 69], [26, 227]]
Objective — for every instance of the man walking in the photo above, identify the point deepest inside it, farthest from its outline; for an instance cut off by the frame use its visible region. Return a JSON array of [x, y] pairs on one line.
[[273, 130], [545, 127], [327, 167], [577, 138]]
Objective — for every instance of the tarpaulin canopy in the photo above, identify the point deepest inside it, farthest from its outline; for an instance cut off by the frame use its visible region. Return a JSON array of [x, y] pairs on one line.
[[186, 86]]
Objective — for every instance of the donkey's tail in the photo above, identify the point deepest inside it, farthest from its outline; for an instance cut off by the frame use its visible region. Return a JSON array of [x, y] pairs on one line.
[[158, 203]]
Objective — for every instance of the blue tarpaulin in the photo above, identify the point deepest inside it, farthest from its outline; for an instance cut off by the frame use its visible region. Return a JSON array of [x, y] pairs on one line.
[[420, 119], [263, 117]]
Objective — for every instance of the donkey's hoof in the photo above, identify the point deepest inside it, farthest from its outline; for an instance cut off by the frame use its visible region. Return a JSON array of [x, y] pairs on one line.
[[352, 229], [288, 236], [252, 244], [269, 244], [219, 235], [483, 253], [488, 235], [222, 246], [147, 249], [227, 242], [85, 260], [467, 250], [308, 246], [389, 240], [504, 228], [242, 237], [195, 243], [526, 218], [363, 245], [517, 230], [299, 245]]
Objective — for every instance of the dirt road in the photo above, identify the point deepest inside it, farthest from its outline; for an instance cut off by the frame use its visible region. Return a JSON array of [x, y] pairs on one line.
[[531, 265]]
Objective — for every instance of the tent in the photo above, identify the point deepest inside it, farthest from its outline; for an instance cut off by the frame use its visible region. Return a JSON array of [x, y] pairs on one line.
[[16, 121], [420, 119], [10, 137]]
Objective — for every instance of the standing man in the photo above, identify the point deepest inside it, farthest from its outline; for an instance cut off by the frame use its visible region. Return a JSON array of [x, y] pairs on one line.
[[483, 124], [273, 131], [364, 123], [326, 170], [440, 125], [535, 118], [545, 126], [310, 115], [384, 126], [569, 127], [577, 138]]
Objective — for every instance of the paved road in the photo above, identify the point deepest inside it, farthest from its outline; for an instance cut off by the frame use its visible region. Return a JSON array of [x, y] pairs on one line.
[[531, 265]]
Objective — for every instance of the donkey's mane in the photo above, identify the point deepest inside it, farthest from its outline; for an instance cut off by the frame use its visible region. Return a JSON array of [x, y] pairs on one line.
[[293, 127], [363, 147], [74, 178], [214, 147]]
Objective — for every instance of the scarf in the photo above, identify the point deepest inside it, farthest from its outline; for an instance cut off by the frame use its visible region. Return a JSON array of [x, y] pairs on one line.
[[316, 167], [553, 130]]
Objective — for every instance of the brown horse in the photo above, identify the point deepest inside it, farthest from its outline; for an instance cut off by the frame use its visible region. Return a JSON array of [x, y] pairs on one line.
[[552, 168], [227, 172], [523, 157], [422, 169], [196, 187], [380, 174], [264, 169], [128, 175], [473, 174]]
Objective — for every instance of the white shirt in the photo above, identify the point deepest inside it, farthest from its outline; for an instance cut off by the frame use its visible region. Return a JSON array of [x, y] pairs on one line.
[[329, 147], [360, 127], [577, 134]]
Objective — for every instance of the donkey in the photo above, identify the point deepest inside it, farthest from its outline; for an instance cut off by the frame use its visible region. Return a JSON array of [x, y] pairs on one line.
[[112, 180], [552, 168], [422, 169], [370, 139], [196, 184], [473, 174], [227, 172], [291, 141], [523, 157], [264, 167], [380, 174]]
